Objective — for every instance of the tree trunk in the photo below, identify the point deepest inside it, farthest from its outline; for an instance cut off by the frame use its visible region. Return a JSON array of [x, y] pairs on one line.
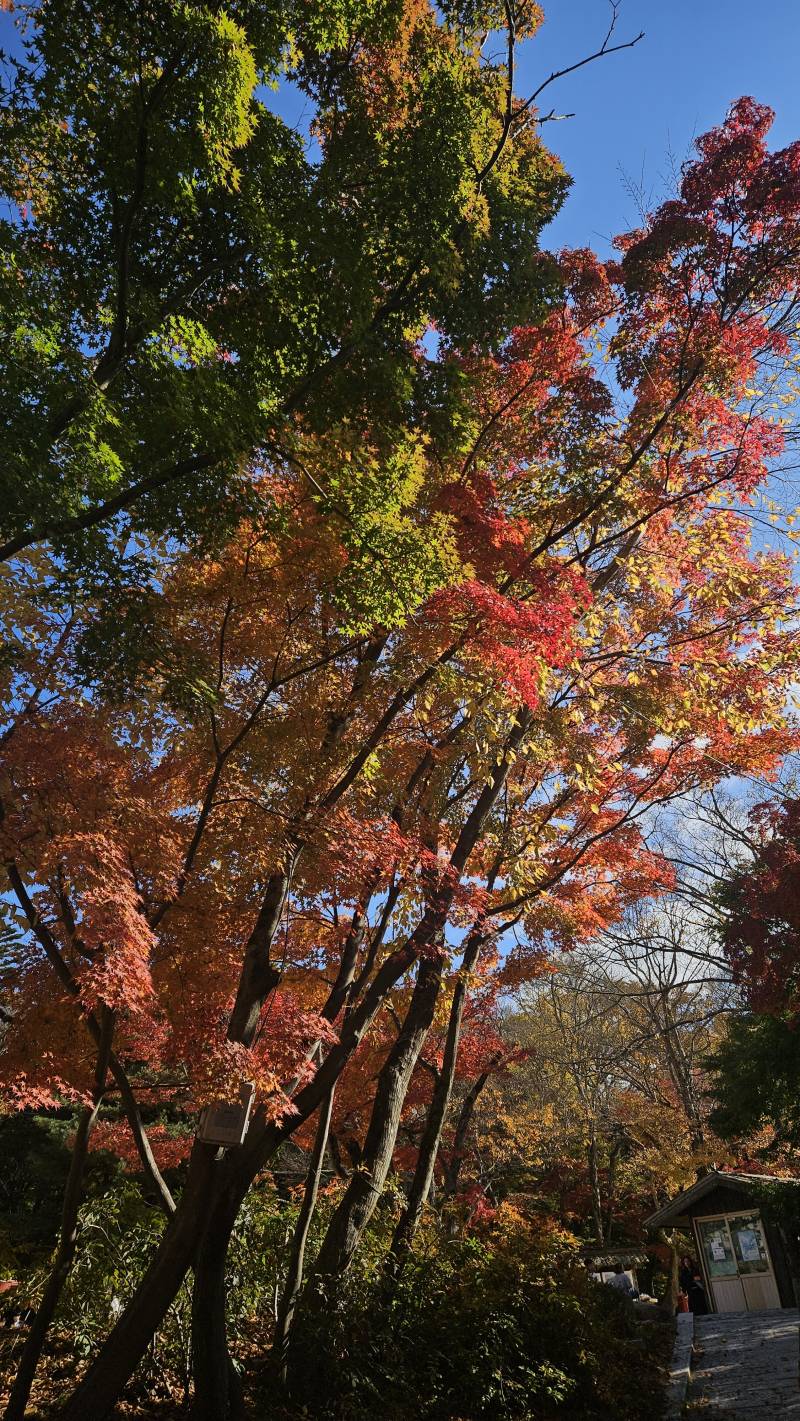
[[258, 976], [128, 1341], [613, 1159], [673, 1286], [65, 1253], [681, 1075], [594, 1186], [217, 1390], [418, 1193], [215, 1377], [362, 1194], [465, 1114], [151, 1170], [294, 1275]]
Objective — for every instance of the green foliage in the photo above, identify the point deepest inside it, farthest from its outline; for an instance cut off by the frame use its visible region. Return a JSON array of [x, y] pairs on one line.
[[118, 1232], [779, 1202], [507, 1326], [183, 276], [398, 553], [755, 1074], [34, 1161]]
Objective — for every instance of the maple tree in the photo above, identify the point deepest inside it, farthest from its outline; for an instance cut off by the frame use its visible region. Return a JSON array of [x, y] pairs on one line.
[[398, 755], [759, 914], [188, 283]]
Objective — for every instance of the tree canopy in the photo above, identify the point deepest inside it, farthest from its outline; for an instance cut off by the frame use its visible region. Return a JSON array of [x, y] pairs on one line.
[[370, 580]]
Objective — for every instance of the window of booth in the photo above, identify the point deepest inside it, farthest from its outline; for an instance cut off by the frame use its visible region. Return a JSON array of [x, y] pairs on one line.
[[749, 1244], [718, 1252]]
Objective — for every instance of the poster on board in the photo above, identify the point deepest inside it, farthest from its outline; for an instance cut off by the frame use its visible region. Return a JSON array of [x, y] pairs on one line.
[[748, 1245]]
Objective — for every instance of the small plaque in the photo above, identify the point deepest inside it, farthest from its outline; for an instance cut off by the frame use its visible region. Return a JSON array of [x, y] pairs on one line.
[[225, 1122]]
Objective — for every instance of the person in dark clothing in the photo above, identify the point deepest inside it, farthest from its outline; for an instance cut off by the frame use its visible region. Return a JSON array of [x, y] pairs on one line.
[[698, 1303]]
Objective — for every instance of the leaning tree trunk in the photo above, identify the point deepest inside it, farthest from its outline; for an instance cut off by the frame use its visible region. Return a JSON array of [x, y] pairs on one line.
[[115, 1363], [362, 1194], [68, 1236], [217, 1389], [294, 1275], [418, 1193]]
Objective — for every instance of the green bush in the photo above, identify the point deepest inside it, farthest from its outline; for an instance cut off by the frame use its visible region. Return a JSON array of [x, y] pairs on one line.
[[503, 1327], [118, 1234]]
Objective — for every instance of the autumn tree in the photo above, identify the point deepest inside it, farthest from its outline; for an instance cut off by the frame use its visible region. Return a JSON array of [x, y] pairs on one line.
[[189, 283], [275, 865], [610, 1095]]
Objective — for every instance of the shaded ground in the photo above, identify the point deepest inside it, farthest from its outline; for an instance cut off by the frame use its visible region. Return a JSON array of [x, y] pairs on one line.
[[746, 1367]]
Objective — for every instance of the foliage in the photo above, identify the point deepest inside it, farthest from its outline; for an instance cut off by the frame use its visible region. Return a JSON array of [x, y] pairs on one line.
[[602, 1109], [756, 1066], [762, 930], [149, 831], [185, 278], [117, 1233], [504, 1324], [34, 1160], [755, 1075], [436, 626]]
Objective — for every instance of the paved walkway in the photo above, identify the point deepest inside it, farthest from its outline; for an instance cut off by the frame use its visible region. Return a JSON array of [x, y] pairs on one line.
[[746, 1367]]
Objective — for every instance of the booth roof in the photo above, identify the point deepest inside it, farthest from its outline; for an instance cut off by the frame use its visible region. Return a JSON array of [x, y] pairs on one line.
[[676, 1211], [603, 1261]]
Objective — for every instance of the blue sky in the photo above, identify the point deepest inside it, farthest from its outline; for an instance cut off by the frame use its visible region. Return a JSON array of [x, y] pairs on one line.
[[635, 108]]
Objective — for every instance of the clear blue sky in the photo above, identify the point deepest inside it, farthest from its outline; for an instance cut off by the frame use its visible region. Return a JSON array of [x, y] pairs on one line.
[[635, 108]]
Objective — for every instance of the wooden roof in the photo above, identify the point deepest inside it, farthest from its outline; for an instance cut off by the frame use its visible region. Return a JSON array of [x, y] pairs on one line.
[[679, 1208]]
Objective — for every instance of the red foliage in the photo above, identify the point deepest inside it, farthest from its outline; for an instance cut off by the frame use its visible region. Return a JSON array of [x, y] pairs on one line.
[[762, 934]]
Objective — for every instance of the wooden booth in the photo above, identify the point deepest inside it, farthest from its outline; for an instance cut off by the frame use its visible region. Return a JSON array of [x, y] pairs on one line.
[[747, 1262]]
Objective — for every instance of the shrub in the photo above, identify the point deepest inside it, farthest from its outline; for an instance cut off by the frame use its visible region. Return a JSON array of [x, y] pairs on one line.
[[506, 1325], [503, 1324]]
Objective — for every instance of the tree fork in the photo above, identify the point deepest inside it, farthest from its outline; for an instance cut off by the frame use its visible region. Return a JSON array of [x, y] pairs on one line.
[[125, 1346], [217, 1389]]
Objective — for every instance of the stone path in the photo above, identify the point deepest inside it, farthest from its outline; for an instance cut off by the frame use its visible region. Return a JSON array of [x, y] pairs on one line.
[[746, 1367]]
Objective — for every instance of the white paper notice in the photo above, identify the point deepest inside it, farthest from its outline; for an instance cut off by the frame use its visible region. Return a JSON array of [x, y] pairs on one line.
[[717, 1250]]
